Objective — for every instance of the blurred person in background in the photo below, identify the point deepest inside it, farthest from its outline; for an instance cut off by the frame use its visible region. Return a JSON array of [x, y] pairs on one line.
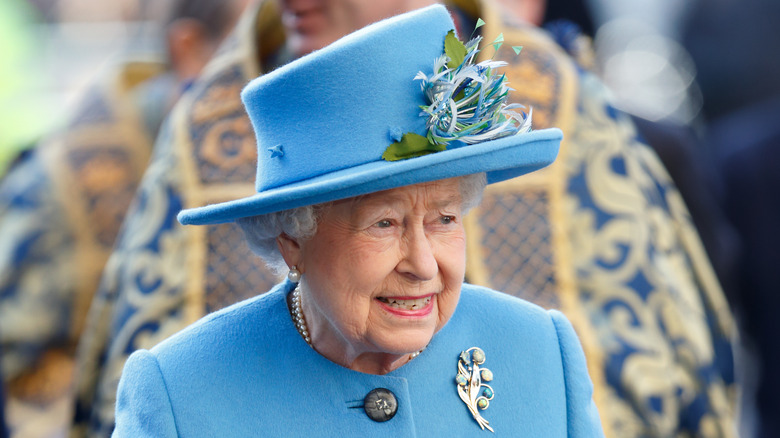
[[638, 408], [709, 379], [602, 235], [677, 144], [62, 203], [735, 47]]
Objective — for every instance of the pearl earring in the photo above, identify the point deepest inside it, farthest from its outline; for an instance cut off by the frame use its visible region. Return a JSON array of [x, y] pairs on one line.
[[294, 275]]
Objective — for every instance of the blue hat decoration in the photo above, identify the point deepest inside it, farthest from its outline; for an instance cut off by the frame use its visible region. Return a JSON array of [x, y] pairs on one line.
[[353, 118]]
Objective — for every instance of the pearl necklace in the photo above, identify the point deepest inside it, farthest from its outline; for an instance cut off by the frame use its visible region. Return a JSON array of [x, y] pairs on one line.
[[300, 322], [297, 316]]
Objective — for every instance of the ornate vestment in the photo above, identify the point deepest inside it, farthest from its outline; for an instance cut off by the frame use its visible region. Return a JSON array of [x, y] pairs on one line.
[[61, 207]]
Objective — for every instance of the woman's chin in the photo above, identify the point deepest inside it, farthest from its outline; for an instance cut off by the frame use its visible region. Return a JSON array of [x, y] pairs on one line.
[[406, 342], [404, 333]]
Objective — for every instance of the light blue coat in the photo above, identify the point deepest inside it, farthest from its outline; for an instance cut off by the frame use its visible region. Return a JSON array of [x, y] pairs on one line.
[[245, 371]]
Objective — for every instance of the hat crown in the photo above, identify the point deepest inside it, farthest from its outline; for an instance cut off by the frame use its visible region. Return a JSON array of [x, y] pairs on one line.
[[338, 107]]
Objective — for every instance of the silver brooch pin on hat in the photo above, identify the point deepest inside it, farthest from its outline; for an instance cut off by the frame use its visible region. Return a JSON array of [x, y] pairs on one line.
[[471, 389]]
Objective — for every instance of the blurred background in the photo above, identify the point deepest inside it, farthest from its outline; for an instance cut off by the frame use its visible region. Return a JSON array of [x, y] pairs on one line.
[[52, 49], [61, 44], [707, 69]]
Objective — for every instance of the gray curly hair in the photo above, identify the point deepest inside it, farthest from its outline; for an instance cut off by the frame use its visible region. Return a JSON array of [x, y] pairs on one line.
[[301, 223]]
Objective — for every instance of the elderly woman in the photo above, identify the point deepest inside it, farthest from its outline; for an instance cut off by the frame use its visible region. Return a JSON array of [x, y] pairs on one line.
[[360, 199]]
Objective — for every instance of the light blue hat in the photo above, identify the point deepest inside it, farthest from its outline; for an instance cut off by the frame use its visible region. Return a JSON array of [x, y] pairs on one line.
[[339, 122]]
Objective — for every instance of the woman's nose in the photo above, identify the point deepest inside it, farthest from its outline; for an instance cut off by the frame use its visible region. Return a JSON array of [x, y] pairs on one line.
[[418, 261]]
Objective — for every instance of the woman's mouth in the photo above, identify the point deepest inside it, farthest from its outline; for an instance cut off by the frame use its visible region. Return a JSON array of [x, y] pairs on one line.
[[406, 304]]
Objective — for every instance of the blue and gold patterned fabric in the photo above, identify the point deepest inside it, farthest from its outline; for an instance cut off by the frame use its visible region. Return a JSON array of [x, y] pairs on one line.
[[163, 276], [61, 207], [604, 236], [601, 235]]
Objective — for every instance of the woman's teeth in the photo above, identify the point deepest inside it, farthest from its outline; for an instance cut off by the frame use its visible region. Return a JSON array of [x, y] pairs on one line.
[[415, 304]]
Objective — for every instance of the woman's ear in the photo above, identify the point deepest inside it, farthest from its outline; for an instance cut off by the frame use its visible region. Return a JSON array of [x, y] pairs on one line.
[[291, 250]]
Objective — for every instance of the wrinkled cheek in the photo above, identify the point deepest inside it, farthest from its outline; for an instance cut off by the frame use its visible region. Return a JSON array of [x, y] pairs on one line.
[[452, 259], [453, 267], [447, 303]]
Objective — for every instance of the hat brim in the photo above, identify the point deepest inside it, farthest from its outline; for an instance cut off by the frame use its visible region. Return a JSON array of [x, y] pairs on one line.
[[501, 159]]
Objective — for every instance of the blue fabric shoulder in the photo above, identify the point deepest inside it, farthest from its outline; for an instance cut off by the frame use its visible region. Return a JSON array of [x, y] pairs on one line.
[[226, 322], [506, 316], [581, 410], [143, 407], [501, 307]]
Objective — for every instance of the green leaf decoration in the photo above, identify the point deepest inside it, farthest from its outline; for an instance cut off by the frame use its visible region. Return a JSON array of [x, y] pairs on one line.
[[517, 49], [480, 23], [411, 145], [454, 49], [498, 42]]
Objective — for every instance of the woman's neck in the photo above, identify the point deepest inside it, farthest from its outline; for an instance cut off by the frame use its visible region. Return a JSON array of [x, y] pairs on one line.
[[371, 363], [339, 350]]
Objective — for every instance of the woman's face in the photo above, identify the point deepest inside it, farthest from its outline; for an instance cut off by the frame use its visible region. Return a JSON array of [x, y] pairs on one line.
[[383, 272]]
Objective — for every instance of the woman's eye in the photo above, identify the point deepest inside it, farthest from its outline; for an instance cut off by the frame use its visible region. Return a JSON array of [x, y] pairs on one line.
[[446, 220], [384, 224]]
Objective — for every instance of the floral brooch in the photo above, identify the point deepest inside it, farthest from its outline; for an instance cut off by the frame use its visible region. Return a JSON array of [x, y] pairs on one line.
[[471, 389]]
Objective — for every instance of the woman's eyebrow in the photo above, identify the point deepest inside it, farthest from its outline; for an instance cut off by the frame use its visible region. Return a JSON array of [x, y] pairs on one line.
[[448, 201], [389, 200]]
